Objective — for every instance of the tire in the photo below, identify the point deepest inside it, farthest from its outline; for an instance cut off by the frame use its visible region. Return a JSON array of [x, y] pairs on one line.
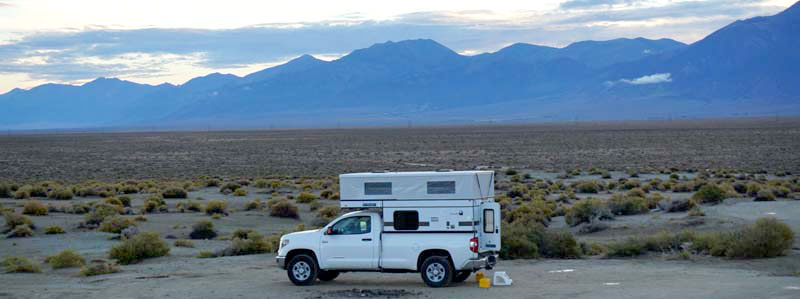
[[461, 276], [327, 275], [437, 271], [302, 270]]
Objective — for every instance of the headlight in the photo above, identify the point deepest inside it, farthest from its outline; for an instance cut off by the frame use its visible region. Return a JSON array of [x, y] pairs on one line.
[[284, 242]]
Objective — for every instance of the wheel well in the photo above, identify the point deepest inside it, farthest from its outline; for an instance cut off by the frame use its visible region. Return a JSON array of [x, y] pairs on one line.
[[295, 252], [433, 252]]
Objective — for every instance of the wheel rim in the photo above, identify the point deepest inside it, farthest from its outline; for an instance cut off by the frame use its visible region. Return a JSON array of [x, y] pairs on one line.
[[435, 272], [301, 270]]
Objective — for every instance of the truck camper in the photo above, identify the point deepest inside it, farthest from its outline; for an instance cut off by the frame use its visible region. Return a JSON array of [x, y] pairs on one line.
[[443, 224]]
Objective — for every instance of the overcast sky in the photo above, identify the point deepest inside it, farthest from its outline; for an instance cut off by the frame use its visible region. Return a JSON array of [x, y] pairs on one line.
[[43, 41]]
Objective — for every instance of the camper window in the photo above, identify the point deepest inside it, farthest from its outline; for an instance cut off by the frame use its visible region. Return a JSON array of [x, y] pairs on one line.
[[378, 188], [442, 187], [488, 221], [406, 220]]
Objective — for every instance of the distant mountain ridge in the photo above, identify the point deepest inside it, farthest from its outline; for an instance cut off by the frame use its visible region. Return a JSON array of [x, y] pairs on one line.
[[746, 68]]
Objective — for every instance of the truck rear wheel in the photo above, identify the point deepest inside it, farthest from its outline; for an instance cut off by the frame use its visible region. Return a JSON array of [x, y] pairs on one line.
[[327, 275], [302, 270], [461, 276], [437, 271]]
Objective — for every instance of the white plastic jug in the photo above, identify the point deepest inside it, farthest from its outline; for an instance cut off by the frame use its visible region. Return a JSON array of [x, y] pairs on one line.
[[502, 279]]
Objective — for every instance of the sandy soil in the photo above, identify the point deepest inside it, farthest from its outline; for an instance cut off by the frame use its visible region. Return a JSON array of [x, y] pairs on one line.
[[256, 276], [181, 275]]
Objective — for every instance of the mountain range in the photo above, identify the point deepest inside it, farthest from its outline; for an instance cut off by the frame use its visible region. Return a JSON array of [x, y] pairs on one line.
[[747, 68]]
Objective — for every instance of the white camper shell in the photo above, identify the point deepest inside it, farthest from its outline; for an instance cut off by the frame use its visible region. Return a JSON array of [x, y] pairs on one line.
[[443, 224]]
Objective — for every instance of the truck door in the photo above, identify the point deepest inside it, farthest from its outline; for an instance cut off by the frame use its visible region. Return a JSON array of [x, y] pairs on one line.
[[489, 230], [350, 243]]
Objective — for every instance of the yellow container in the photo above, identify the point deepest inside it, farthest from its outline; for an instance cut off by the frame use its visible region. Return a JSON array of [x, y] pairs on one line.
[[485, 283], [479, 276]]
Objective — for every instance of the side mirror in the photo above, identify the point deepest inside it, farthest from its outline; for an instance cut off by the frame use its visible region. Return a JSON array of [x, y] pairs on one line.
[[329, 231]]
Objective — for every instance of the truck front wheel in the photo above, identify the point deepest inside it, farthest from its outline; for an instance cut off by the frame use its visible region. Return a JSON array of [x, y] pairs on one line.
[[437, 271], [302, 270]]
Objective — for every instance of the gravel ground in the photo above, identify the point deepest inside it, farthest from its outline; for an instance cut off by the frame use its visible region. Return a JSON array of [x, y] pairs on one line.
[[256, 276]]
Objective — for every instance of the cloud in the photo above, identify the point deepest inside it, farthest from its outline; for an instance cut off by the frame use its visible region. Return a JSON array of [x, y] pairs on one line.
[[649, 79], [579, 4], [171, 53]]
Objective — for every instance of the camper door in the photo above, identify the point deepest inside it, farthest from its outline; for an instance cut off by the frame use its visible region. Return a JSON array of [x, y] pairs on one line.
[[489, 230]]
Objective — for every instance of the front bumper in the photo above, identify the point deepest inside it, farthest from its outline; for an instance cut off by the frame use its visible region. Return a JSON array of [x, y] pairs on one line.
[[484, 262], [281, 261]]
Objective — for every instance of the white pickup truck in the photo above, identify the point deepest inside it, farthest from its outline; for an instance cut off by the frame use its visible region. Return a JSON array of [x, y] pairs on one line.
[[444, 225]]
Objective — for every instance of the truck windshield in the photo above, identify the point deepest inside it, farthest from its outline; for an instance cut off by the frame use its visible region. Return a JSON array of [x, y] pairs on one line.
[[352, 226]]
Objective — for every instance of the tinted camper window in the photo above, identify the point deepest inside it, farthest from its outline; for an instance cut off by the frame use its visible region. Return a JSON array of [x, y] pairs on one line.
[[406, 220], [378, 188], [442, 187], [488, 221]]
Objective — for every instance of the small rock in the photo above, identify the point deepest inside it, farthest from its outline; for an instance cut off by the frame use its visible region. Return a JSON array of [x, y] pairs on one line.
[[130, 232]]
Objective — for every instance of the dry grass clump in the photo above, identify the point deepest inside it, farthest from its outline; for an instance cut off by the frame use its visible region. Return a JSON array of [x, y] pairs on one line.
[[13, 220], [174, 193], [115, 224], [203, 230], [588, 187], [155, 204], [206, 254], [764, 195], [190, 205], [114, 201], [21, 231], [216, 207], [676, 205], [141, 246], [587, 211], [284, 209], [100, 212], [240, 192], [709, 193], [16, 264], [6, 190], [305, 197], [229, 188], [54, 230], [34, 208], [768, 237], [538, 211], [242, 233], [628, 205], [61, 194], [66, 259], [99, 267], [184, 243], [533, 240], [253, 205], [326, 214]]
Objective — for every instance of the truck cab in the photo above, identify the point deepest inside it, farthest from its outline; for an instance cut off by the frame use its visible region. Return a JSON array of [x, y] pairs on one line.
[[445, 239]]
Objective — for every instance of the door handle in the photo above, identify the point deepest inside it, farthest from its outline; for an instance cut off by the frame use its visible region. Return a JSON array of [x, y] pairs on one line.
[[324, 241], [366, 239]]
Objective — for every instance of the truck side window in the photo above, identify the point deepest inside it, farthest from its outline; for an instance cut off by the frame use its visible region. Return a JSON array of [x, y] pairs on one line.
[[378, 188], [488, 221], [442, 187], [352, 226], [406, 220]]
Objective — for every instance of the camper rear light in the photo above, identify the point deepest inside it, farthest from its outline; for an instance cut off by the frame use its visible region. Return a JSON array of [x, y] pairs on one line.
[[473, 244]]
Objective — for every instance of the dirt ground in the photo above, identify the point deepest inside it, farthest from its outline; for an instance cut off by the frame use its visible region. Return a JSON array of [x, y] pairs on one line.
[[747, 144], [764, 147], [182, 275]]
